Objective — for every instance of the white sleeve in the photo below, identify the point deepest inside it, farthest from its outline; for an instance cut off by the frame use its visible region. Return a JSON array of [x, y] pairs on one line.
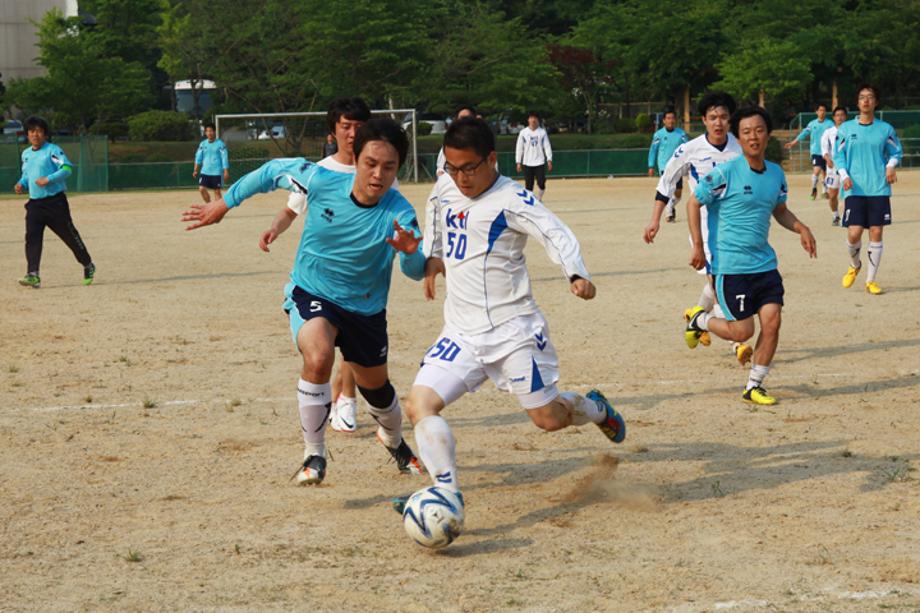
[[439, 164], [297, 203], [432, 245], [676, 168], [519, 148], [528, 215], [826, 144], [547, 148]]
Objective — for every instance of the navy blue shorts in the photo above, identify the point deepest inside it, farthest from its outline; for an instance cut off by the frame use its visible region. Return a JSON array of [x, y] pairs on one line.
[[866, 211], [210, 181], [819, 161], [740, 296], [362, 338]]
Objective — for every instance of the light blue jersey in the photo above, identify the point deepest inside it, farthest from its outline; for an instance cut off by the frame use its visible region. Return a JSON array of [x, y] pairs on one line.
[[343, 255], [212, 157], [862, 151], [47, 161], [740, 202], [814, 130], [664, 143]]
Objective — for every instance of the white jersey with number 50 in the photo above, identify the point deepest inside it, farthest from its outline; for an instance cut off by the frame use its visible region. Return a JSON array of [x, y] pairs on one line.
[[481, 242]]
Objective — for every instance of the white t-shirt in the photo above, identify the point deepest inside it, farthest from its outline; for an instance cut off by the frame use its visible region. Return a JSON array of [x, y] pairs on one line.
[[482, 243], [533, 148], [827, 141]]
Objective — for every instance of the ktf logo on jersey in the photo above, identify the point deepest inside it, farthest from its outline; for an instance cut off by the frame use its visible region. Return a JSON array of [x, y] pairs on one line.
[[457, 220]]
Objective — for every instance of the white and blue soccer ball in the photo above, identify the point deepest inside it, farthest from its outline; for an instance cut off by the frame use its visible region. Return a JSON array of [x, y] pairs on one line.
[[433, 517]]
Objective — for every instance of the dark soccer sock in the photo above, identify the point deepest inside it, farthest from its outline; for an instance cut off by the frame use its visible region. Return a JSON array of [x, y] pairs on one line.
[[384, 408]]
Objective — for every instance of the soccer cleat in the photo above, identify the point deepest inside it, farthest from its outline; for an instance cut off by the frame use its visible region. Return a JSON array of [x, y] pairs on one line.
[[89, 271], [873, 288], [312, 472], [613, 426], [744, 353], [758, 395], [814, 193], [344, 415], [31, 280], [672, 216], [705, 339], [850, 277], [836, 221], [692, 332], [406, 461]]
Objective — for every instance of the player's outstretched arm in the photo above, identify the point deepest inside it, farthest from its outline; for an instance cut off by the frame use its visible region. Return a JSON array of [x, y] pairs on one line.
[[200, 215], [651, 230], [280, 223], [697, 254], [788, 220]]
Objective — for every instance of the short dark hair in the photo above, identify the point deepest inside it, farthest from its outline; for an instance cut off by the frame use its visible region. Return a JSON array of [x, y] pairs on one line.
[[716, 99], [819, 105], [533, 114], [349, 108], [385, 129], [750, 111], [211, 125], [668, 111], [840, 108], [37, 122], [871, 88], [465, 107], [470, 133]]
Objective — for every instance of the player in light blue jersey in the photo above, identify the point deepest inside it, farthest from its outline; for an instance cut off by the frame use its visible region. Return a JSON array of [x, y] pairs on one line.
[[813, 131], [213, 162], [741, 196], [866, 152], [341, 278], [664, 143], [45, 169]]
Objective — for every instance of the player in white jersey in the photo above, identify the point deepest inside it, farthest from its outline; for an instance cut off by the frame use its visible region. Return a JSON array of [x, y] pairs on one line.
[[477, 224], [695, 160], [463, 111], [533, 154], [832, 179], [344, 117]]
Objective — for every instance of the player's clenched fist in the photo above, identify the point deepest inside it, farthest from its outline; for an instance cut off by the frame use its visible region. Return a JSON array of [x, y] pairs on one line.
[[583, 288]]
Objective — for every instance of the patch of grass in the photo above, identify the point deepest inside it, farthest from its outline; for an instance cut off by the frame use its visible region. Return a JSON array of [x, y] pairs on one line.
[[896, 474], [149, 404], [125, 360], [133, 556], [717, 489], [88, 399], [12, 369]]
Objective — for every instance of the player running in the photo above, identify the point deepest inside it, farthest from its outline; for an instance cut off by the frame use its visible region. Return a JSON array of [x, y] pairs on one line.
[[664, 142], [832, 180], [742, 195], [477, 225], [814, 130], [694, 160], [533, 154], [213, 162], [45, 169], [344, 117], [341, 278], [867, 152]]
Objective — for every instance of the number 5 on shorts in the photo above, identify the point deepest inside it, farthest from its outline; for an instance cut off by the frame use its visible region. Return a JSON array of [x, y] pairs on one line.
[[315, 305]]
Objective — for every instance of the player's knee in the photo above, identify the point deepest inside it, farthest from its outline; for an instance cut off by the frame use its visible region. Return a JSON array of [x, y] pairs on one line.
[[317, 363], [742, 330], [550, 417], [381, 397]]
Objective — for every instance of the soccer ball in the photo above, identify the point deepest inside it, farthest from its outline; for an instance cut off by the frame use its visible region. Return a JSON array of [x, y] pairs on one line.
[[433, 517]]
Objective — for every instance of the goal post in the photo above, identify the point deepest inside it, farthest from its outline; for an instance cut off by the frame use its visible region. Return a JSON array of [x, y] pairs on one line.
[[305, 132]]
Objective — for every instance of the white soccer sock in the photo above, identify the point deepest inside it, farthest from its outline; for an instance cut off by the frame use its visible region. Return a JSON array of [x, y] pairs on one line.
[[669, 207], [874, 254], [539, 193], [758, 374], [717, 312], [584, 411], [390, 421], [814, 181], [314, 401], [854, 253], [438, 451], [702, 320], [707, 297]]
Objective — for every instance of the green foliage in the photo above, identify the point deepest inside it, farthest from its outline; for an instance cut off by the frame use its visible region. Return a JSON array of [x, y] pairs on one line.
[[774, 151], [422, 128], [245, 151], [113, 129], [160, 126], [624, 124], [643, 122], [777, 67]]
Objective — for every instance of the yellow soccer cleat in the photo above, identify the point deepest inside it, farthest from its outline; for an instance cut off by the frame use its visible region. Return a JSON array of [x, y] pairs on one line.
[[692, 333], [705, 339], [744, 353], [850, 277], [873, 288], [758, 395]]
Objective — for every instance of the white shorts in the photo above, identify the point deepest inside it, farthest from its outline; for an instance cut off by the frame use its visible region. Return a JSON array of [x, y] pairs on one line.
[[517, 355], [832, 179]]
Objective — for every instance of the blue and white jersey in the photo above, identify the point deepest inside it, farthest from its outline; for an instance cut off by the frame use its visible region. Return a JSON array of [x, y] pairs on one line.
[[814, 130], [533, 148], [482, 240], [212, 157], [862, 152], [741, 201], [343, 254], [47, 161], [694, 160], [664, 143]]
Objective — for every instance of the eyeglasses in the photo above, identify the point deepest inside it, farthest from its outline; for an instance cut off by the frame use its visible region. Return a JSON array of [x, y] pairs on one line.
[[867, 97], [469, 169]]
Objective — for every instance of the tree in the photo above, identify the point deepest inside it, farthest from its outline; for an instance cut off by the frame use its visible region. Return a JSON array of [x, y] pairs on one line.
[[766, 67], [585, 76], [183, 52]]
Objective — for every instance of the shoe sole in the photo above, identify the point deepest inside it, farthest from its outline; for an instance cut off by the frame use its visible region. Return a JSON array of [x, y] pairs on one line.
[[617, 435], [759, 404], [745, 356]]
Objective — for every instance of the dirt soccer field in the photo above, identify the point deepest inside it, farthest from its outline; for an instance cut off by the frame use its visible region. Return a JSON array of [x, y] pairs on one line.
[[148, 428]]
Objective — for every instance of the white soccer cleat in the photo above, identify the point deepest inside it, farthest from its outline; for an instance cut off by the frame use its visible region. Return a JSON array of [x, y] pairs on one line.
[[343, 417]]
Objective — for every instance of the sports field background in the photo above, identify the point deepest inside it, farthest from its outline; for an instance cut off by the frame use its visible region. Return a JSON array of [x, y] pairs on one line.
[[148, 428]]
